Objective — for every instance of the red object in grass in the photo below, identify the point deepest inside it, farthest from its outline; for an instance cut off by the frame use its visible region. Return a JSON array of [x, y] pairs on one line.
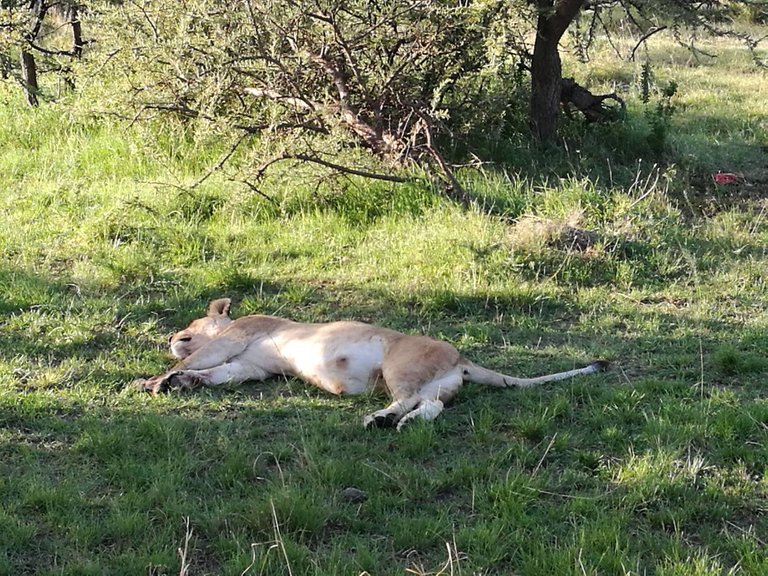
[[725, 178]]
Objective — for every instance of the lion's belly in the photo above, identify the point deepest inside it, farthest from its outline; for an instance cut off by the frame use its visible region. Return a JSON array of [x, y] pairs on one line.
[[343, 366]]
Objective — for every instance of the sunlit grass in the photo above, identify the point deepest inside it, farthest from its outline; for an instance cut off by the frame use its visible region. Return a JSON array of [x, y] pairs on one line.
[[657, 467]]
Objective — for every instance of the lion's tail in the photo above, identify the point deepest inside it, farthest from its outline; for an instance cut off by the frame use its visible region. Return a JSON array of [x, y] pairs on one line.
[[474, 373]]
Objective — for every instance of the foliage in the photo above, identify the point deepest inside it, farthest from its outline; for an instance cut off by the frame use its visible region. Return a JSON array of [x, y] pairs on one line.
[[656, 467], [659, 115], [39, 35], [278, 82], [690, 23], [310, 78]]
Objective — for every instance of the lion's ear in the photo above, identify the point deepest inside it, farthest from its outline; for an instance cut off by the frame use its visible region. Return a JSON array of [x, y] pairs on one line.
[[219, 307]]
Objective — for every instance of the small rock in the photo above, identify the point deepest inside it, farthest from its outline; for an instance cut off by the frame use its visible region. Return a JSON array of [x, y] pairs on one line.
[[354, 495]]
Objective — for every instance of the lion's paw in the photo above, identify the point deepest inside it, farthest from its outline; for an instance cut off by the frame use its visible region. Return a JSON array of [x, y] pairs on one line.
[[380, 420], [173, 381]]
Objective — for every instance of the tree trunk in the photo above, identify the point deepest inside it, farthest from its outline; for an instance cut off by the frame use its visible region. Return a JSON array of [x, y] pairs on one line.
[[546, 73], [554, 17], [73, 15], [29, 77]]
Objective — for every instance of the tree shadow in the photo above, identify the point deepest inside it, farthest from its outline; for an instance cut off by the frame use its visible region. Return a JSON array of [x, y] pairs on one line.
[[263, 446]]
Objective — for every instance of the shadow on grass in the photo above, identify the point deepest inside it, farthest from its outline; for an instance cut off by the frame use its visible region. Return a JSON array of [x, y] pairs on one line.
[[85, 483], [48, 321], [90, 470]]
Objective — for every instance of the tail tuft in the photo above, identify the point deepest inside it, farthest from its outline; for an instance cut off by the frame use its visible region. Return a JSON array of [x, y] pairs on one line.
[[600, 365]]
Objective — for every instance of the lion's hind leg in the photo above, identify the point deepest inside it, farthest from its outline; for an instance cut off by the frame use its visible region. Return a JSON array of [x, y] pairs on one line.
[[433, 397], [426, 404], [390, 416], [426, 410]]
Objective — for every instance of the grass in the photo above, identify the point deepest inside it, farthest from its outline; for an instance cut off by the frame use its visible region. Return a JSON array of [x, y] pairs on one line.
[[656, 467]]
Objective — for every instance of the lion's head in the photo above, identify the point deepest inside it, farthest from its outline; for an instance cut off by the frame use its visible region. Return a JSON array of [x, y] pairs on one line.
[[202, 330]]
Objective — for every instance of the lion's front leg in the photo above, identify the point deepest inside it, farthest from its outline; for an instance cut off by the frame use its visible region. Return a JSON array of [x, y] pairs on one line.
[[228, 373], [178, 380], [155, 384]]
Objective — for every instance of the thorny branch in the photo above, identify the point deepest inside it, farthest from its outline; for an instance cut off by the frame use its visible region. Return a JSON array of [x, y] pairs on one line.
[[261, 170], [644, 38], [456, 190], [367, 75]]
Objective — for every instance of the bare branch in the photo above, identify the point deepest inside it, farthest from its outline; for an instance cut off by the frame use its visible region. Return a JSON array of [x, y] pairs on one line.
[[71, 53], [332, 165], [256, 189], [281, 126], [608, 34], [223, 160], [342, 42], [456, 189], [148, 20], [337, 78], [300, 103], [383, 144], [643, 39]]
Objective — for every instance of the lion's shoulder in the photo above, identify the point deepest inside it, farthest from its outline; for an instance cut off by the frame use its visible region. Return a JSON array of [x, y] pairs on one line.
[[258, 325]]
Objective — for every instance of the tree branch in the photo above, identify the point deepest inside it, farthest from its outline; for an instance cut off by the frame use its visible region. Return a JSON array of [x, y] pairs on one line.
[[383, 144], [280, 126], [456, 190], [564, 13], [40, 8], [71, 53], [299, 103], [255, 189], [223, 160], [645, 37], [332, 165]]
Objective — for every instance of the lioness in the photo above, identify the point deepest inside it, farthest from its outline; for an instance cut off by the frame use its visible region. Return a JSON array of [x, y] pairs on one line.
[[420, 374]]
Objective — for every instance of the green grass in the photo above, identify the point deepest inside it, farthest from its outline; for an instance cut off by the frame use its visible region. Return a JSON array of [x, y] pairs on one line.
[[656, 467]]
